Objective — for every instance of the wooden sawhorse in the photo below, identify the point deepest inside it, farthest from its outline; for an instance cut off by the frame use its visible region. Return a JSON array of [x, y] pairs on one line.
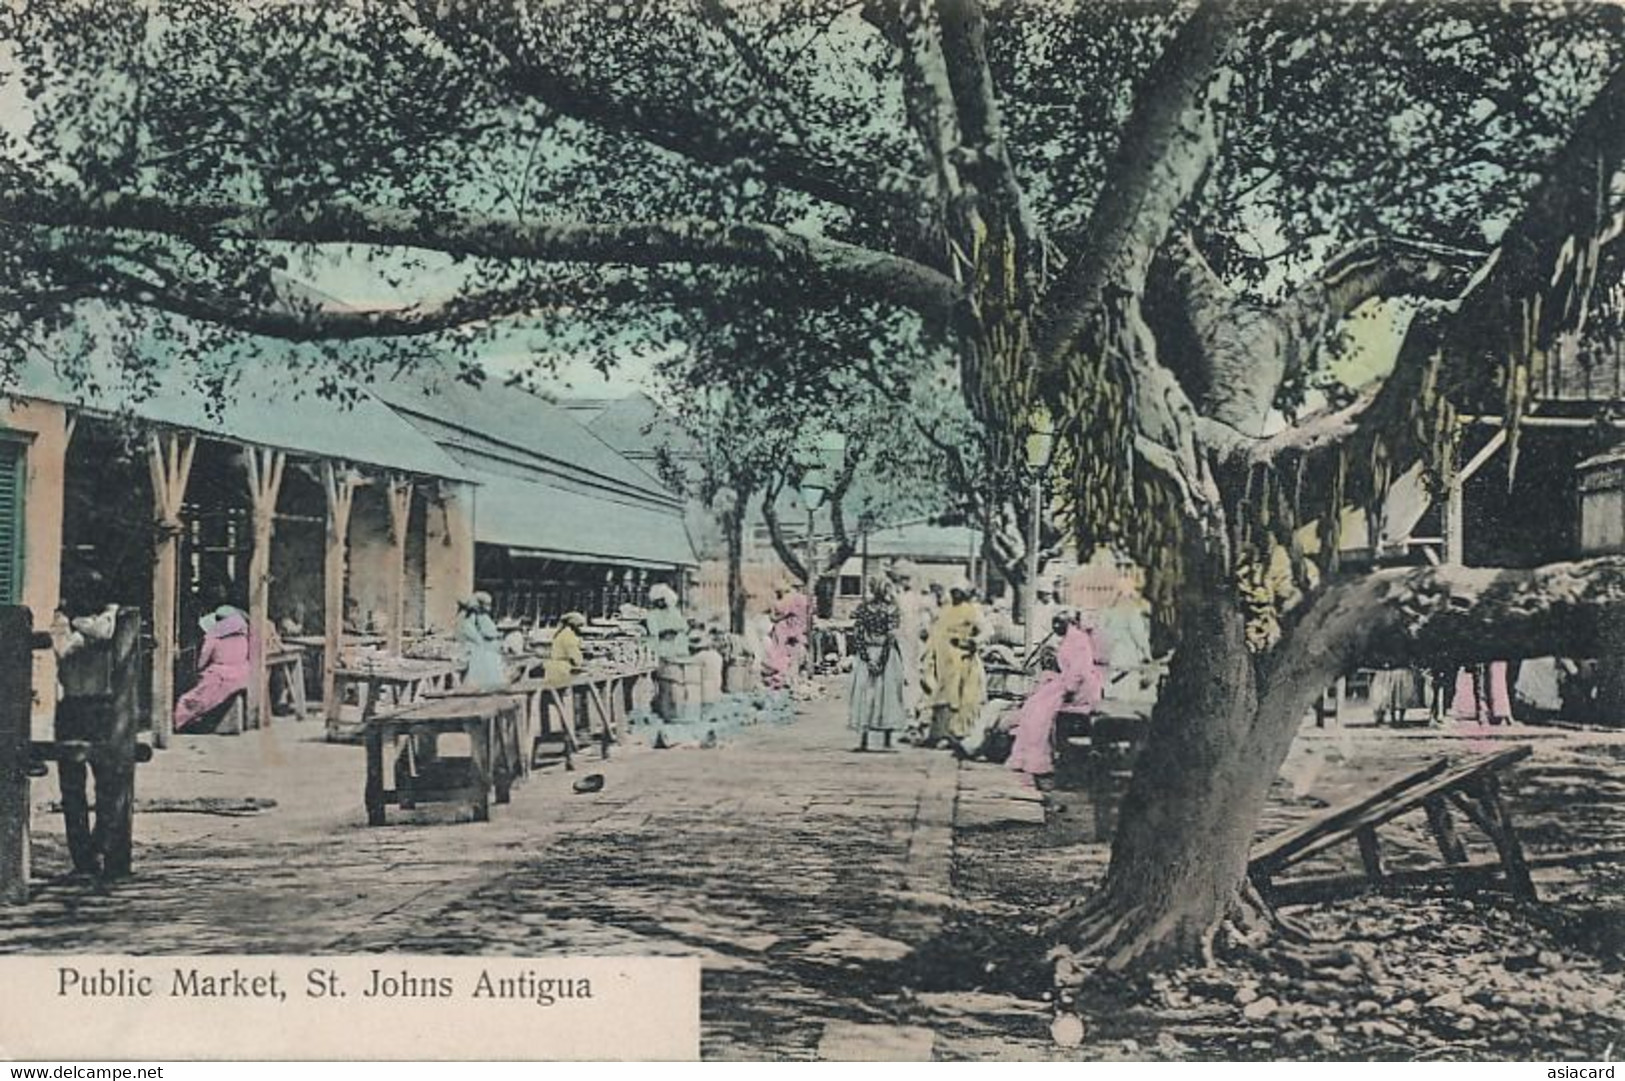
[[1472, 787]]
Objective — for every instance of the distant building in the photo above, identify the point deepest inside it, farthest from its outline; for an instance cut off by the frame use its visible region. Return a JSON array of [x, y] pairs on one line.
[[562, 521]]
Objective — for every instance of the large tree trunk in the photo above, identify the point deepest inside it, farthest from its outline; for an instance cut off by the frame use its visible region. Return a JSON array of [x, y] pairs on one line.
[[1221, 730], [1227, 718]]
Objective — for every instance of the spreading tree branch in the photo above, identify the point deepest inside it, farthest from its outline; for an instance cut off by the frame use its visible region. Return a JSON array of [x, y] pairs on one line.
[[912, 29], [830, 263], [1451, 352], [1168, 145], [1463, 615], [670, 123], [985, 156], [775, 531]]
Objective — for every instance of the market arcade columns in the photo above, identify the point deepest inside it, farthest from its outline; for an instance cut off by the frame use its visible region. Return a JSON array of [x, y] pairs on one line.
[[169, 456], [400, 517], [265, 467], [339, 482]]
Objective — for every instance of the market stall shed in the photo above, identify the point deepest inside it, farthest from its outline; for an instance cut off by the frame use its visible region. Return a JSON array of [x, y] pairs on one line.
[[561, 521], [228, 456]]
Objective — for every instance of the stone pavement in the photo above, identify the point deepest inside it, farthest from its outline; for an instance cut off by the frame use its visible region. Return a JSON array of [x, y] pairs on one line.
[[802, 873]]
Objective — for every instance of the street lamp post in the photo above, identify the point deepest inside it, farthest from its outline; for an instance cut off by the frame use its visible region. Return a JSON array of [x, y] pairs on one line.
[[866, 525], [828, 452], [812, 497], [1040, 445]]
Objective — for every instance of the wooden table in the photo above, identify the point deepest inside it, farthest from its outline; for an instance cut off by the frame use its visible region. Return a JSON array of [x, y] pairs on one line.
[[315, 647], [492, 723], [529, 692], [400, 680], [1471, 787], [606, 692], [290, 664]]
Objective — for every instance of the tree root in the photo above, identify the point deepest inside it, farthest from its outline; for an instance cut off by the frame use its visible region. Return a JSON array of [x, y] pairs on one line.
[[1099, 937], [1252, 923]]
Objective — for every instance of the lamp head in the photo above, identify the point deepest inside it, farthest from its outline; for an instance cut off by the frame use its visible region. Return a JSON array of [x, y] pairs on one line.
[[1040, 440]]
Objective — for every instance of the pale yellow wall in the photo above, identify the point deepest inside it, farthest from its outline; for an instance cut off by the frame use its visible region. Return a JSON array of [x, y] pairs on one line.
[[42, 533], [448, 555], [371, 553]]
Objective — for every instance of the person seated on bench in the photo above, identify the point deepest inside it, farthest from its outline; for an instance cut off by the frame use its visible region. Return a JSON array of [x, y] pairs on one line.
[[1078, 684], [223, 666]]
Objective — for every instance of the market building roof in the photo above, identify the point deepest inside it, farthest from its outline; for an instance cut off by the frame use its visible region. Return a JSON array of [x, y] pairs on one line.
[[532, 517], [259, 400], [635, 425], [500, 422], [547, 486]]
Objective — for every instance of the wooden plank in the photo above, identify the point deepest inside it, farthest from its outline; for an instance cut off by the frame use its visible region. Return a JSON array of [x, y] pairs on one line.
[[16, 696], [452, 709], [338, 485], [373, 794], [400, 510], [1487, 790], [479, 738], [265, 467], [1474, 814], [1478, 874], [1283, 848], [169, 461]]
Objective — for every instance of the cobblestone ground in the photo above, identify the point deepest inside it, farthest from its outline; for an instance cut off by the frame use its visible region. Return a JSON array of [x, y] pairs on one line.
[[800, 871], [844, 905]]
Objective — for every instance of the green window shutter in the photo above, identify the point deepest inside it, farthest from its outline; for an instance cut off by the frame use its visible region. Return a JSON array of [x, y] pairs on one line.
[[11, 521]]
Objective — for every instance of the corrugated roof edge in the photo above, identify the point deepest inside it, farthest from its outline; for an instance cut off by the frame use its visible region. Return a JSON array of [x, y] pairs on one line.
[[444, 466], [655, 494]]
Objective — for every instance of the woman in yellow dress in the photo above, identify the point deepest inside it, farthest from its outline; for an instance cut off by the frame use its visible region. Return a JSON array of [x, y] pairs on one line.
[[954, 655], [565, 658]]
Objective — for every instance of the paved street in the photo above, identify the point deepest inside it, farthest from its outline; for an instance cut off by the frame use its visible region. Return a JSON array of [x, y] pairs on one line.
[[800, 871], [844, 905]]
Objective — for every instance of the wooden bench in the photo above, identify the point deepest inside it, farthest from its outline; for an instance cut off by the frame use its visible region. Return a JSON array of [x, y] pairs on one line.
[[1472, 787], [1099, 726], [232, 717], [585, 695]]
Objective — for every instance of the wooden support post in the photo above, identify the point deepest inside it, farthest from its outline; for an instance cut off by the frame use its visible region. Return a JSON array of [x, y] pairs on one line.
[[169, 459], [16, 696], [1444, 830], [1487, 793], [115, 772], [400, 517], [265, 468], [1370, 853], [339, 484]]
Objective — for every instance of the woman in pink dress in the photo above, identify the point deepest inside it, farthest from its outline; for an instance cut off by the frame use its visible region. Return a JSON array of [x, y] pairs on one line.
[[222, 663], [1481, 695], [787, 644], [1081, 659]]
